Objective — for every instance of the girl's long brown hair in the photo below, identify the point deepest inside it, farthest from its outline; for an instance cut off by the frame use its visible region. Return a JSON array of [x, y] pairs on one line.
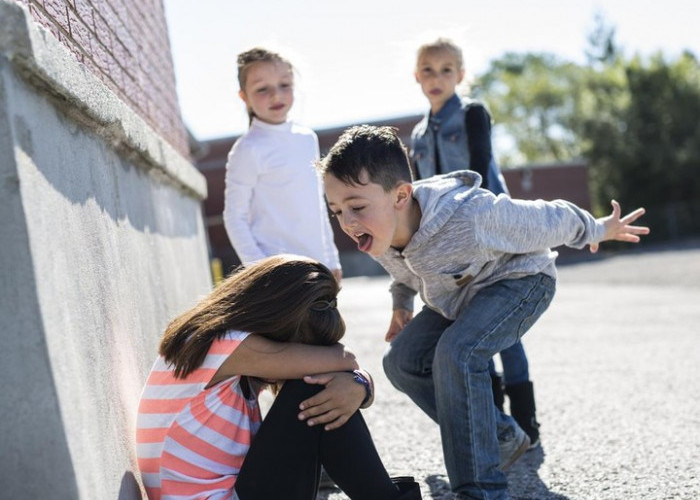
[[284, 298]]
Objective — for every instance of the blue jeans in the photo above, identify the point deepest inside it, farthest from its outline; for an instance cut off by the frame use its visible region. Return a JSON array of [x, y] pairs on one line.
[[442, 365], [515, 366]]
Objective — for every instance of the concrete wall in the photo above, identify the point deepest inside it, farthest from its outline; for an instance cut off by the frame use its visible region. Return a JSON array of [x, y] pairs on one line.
[[101, 244]]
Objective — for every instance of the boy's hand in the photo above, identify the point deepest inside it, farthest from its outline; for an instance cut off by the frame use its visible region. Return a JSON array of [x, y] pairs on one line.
[[334, 405], [337, 274], [619, 229], [399, 319]]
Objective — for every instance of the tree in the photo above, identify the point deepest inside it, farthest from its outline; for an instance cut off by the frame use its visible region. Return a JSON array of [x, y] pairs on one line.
[[644, 145], [534, 98], [635, 121]]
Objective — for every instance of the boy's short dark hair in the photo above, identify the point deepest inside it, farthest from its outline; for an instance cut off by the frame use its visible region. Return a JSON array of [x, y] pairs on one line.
[[378, 150]]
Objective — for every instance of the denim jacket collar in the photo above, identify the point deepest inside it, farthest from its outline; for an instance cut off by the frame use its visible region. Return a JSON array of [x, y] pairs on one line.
[[451, 105]]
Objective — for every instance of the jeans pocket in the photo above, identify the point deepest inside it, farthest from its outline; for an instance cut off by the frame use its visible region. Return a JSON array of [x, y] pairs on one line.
[[536, 304]]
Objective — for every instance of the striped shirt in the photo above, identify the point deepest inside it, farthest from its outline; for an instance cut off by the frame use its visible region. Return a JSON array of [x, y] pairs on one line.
[[191, 441]]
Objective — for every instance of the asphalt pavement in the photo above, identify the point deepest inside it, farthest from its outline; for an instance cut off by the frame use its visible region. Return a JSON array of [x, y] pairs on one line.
[[615, 365]]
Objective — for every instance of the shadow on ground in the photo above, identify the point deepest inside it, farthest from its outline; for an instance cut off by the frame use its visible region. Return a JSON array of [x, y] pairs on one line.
[[524, 482]]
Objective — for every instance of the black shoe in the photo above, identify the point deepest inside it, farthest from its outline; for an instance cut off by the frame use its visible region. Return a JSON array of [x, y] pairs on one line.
[[522, 408], [409, 488], [325, 482]]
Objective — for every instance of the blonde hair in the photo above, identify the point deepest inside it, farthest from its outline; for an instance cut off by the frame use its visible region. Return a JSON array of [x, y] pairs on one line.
[[441, 44], [246, 59]]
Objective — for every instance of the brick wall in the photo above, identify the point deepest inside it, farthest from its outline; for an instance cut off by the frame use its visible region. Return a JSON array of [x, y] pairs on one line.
[[125, 44]]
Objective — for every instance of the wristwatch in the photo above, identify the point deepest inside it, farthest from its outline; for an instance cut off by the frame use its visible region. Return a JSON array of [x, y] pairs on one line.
[[359, 377]]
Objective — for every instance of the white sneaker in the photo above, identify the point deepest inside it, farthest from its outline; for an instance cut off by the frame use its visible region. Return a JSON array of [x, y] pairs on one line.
[[513, 449]]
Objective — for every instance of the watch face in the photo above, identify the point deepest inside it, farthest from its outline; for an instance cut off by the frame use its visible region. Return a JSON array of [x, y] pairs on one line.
[[361, 379]]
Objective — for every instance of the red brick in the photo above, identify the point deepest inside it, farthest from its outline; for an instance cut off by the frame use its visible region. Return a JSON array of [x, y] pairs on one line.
[[43, 20], [122, 34], [102, 57], [57, 10], [75, 49], [85, 10], [102, 30], [80, 33], [121, 55]]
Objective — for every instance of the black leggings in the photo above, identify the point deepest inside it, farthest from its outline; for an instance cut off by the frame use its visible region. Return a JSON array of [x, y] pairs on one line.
[[285, 458]]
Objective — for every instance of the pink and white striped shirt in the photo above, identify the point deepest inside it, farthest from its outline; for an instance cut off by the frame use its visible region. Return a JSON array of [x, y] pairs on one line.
[[191, 441]]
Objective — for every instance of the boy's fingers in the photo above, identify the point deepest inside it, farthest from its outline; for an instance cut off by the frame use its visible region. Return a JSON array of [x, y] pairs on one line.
[[637, 229], [616, 208], [633, 216]]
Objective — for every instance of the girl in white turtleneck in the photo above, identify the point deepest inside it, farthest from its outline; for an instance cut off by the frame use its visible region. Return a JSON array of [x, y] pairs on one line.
[[274, 201]]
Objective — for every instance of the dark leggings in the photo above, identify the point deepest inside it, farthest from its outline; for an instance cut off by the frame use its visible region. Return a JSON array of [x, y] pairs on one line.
[[285, 458]]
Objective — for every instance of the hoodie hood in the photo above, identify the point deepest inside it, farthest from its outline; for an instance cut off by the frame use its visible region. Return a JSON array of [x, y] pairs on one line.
[[438, 197]]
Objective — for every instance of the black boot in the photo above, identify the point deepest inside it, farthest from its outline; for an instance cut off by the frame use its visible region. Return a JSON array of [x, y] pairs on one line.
[[497, 389], [410, 490], [522, 408]]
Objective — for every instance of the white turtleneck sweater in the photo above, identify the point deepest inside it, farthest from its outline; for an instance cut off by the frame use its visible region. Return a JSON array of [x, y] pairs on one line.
[[274, 200]]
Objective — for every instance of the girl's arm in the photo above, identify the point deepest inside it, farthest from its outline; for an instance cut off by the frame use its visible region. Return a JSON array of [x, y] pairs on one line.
[[259, 357], [241, 179]]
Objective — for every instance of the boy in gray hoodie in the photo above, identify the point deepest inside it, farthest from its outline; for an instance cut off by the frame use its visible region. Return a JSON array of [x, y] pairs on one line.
[[485, 272]]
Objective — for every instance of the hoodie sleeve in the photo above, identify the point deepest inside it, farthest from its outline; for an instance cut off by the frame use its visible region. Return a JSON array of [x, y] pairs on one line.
[[522, 226], [402, 296]]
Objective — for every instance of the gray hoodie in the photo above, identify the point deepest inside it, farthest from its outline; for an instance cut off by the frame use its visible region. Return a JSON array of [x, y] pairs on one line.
[[469, 239]]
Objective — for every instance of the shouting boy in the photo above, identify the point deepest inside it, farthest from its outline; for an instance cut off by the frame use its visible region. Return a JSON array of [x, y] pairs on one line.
[[485, 272]]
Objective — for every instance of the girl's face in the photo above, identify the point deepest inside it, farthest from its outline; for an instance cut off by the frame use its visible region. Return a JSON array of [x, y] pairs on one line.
[[438, 73], [269, 91]]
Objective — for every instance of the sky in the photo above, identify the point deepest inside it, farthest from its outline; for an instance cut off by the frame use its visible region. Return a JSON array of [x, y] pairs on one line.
[[354, 59]]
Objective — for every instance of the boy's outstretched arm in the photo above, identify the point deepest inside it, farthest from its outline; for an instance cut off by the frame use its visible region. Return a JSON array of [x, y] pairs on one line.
[[620, 229]]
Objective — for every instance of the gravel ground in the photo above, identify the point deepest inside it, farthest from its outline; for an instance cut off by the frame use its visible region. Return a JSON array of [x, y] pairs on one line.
[[615, 366]]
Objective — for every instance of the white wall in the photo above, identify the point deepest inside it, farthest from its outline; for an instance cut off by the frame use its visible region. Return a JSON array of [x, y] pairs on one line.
[[101, 244]]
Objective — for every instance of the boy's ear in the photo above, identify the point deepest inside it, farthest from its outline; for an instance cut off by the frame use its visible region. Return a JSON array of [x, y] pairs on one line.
[[403, 195], [461, 76], [415, 75], [244, 98]]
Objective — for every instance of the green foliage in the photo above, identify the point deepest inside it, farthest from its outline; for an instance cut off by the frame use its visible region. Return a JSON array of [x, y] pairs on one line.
[[635, 121], [534, 97]]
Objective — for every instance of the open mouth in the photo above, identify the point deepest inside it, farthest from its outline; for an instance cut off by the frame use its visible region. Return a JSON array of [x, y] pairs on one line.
[[364, 242]]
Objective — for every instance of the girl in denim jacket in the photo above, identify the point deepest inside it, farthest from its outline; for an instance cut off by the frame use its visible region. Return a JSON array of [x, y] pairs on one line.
[[456, 135]]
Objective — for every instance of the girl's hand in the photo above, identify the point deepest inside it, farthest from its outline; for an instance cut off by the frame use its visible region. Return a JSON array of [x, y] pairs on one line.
[[619, 229], [337, 274], [334, 405], [399, 319]]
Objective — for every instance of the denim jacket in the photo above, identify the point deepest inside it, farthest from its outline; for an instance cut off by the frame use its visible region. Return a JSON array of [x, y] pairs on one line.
[[448, 127]]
